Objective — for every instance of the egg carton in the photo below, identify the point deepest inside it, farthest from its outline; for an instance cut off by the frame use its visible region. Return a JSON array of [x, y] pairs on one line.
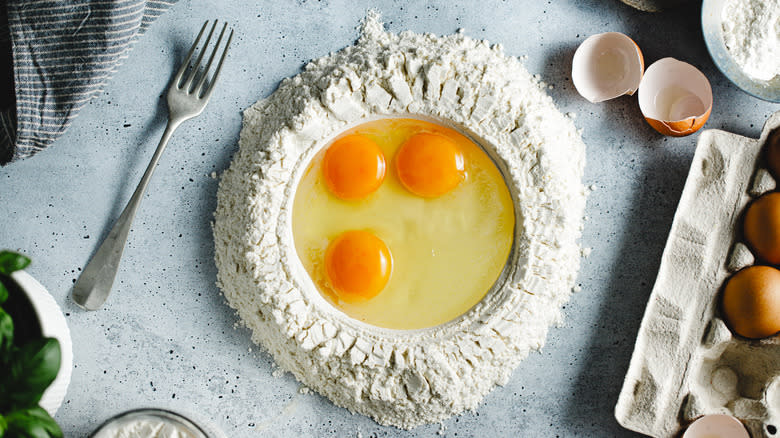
[[686, 362]]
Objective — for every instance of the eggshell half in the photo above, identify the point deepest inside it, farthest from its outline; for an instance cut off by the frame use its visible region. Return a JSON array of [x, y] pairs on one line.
[[716, 426], [606, 66], [675, 97]]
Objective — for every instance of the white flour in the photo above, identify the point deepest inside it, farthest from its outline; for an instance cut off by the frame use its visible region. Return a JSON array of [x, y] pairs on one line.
[[751, 32], [144, 428], [402, 378]]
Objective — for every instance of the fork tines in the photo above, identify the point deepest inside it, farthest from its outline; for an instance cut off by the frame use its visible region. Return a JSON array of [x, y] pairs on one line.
[[203, 86]]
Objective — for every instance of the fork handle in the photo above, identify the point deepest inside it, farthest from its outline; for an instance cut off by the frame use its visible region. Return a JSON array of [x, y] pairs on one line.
[[94, 284]]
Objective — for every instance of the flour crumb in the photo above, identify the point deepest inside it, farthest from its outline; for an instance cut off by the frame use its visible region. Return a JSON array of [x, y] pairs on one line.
[[303, 390], [213, 175], [442, 429], [586, 251]]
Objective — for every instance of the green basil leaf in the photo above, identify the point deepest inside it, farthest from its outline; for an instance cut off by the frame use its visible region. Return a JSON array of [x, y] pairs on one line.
[[12, 261], [32, 423], [6, 335], [3, 426], [3, 291], [32, 369]]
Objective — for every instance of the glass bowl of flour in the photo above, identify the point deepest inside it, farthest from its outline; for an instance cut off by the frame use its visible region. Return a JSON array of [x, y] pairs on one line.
[[743, 38], [154, 423]]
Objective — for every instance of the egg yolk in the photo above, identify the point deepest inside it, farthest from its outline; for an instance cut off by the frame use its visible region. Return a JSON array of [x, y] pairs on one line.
[[353, 167], [358, 265], [429, 165]]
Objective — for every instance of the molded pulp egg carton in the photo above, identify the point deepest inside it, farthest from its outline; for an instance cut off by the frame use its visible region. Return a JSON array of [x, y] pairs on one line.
[[686, 362]]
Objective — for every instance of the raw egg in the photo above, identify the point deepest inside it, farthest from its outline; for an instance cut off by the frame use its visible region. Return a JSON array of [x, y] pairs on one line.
[[751, 302], [429, 165], [675, 97], [425, 246], [606, 66], [353, 167], [762, 227], [358, 265]]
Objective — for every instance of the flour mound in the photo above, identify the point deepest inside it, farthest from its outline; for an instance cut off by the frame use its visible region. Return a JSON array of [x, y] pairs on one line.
[[402, 378]]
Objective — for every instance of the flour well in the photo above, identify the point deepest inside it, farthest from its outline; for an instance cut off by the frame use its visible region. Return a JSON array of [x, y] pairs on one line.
[[751, 32], [402, 378]]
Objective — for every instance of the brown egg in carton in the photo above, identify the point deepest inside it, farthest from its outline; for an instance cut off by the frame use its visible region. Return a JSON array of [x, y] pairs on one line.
[[688, 362]]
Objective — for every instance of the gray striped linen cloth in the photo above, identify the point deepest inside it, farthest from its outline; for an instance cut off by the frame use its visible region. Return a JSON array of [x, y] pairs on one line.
[[63, 53]]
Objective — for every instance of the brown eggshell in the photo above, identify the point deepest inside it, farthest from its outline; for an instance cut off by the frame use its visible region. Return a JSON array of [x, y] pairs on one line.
[[773, 153], [751, 302], [680, 128], [675, 97], [761, 227]]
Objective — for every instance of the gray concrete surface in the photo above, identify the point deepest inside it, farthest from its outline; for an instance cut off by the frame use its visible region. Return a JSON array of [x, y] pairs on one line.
[[165, 338]]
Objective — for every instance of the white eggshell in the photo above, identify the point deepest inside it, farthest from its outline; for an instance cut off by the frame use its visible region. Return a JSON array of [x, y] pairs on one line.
[[675, 97], [716, 426], [606, 66]]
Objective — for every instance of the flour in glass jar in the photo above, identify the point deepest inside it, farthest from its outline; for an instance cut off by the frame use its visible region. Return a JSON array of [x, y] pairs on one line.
[[751, 33]]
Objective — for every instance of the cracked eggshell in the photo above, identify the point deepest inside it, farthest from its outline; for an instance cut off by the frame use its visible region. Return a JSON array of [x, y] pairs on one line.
[[675, 97], [606, 66]]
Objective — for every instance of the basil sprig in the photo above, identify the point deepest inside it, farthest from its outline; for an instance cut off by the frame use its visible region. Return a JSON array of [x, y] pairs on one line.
[[30, 367]]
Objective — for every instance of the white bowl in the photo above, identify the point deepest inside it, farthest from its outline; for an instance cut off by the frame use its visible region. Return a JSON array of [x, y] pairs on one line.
[[53, 325]]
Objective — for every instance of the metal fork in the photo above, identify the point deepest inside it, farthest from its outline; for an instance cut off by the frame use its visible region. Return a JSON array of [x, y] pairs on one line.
[[186, 99]]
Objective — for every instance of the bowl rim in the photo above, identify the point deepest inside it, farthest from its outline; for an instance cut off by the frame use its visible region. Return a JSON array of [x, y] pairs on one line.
[[160, 413], [53, 324]]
